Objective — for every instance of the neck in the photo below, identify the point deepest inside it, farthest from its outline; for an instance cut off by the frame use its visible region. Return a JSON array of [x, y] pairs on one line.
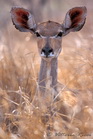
[[48, 74]]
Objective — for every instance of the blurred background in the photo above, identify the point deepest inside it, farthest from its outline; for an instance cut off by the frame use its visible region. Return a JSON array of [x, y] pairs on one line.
[[19, 59]]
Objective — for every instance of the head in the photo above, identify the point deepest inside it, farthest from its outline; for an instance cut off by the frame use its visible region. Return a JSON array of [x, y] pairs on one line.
[[49, 34]]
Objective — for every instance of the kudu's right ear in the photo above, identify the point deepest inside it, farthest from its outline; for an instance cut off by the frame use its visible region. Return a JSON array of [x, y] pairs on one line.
[[23, 19]]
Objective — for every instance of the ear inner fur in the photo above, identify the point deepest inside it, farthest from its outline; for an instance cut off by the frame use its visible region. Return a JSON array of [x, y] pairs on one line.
[[74, 20], [22, 19]]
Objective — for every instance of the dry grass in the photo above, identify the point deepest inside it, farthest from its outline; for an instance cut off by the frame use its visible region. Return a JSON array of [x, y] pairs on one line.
[[70, 117]]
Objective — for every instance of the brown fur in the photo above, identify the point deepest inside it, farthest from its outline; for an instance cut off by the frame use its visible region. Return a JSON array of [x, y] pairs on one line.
[[49, 28]]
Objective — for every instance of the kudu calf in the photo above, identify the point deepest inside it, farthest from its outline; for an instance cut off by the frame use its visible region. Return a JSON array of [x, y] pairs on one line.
[[49, 37]]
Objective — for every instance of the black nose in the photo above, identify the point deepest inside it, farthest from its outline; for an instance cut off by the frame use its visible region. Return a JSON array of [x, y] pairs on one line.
[[47, 51]]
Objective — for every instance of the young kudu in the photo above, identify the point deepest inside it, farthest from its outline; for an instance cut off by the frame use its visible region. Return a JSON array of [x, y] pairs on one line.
[[49, 37]]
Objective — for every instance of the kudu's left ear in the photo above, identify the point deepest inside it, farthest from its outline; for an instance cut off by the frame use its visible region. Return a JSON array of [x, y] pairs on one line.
[[23, 19], [74, 19]]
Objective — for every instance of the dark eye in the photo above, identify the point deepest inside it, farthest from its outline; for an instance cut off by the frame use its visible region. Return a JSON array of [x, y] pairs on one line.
[[37, 34], [60, 34]]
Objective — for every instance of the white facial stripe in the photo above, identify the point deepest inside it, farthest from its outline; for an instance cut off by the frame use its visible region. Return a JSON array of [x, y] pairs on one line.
[[43, 36], [50, 36], [57, 34], [53, 36], [46, 36]]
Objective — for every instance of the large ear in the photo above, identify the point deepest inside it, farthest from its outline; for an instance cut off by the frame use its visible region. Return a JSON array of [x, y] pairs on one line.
[[23, 19], [74, 19]]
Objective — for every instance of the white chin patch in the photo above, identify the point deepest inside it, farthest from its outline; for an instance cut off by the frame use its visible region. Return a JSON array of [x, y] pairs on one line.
[[42, 54], [49, 56]]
